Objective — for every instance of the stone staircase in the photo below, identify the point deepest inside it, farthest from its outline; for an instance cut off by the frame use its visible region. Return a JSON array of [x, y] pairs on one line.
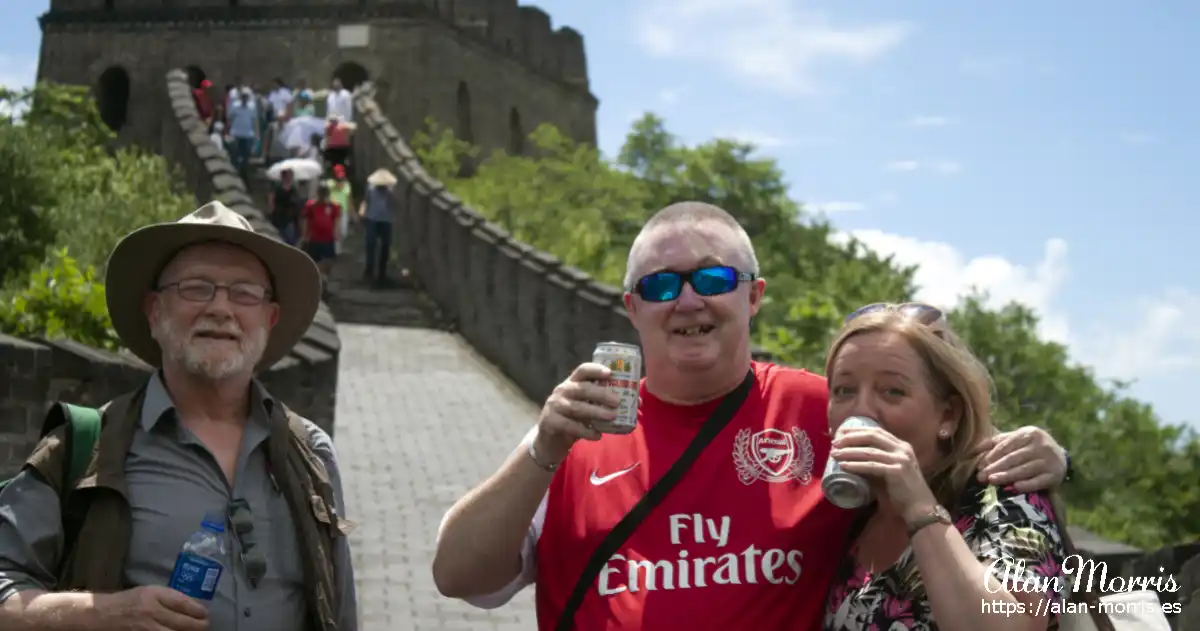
[[352, 299]]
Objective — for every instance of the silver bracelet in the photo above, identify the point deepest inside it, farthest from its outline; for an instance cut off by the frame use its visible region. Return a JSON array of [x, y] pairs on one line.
[[549, 468]]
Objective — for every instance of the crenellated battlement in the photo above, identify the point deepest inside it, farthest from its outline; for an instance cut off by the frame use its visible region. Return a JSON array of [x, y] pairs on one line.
[[523, 33]]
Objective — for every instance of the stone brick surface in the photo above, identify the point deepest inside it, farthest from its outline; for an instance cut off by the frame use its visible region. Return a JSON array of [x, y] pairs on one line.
[[421, 419]]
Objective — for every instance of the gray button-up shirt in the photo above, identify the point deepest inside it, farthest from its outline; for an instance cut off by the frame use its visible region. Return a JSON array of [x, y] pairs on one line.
[[173, 481]]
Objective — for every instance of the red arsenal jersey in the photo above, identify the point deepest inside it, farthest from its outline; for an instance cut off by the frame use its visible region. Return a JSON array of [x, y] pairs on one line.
[[745, 540]]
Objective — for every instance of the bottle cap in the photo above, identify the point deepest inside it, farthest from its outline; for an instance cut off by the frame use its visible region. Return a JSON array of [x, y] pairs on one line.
[[213, 523]]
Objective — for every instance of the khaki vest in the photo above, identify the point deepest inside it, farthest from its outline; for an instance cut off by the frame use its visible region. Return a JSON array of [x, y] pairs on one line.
[[96, 513]]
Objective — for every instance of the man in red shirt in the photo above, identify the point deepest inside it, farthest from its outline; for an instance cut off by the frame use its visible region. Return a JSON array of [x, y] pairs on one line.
[[319, 228], [746, 539]]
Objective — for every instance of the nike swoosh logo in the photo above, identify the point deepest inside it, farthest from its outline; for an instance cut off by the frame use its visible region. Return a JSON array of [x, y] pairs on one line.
[[597, 480]]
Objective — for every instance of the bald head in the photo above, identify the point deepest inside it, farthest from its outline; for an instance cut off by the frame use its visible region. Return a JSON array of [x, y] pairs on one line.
[[690, 216]]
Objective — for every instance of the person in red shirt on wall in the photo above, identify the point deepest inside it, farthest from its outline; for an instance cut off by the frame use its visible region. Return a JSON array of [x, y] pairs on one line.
[[746, 539], [319, 229]]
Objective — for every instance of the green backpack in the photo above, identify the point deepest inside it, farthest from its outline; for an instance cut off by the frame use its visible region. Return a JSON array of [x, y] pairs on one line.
[[81, 439]]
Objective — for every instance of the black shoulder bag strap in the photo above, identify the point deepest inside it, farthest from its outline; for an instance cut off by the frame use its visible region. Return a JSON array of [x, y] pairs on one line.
[[628, 524]]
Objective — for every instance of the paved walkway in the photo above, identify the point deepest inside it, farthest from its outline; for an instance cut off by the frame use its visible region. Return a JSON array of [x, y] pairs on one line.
[[420, 419]]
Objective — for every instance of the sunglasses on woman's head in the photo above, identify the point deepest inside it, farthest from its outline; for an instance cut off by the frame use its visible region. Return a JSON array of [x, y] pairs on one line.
[[712, 280], [924, 313]]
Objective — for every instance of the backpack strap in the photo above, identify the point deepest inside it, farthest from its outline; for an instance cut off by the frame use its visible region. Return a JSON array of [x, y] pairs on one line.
[[66, 463], [84, 434]]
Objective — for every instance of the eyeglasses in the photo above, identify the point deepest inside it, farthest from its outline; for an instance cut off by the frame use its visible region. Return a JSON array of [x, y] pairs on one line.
[[254, 558], [924, 313], [713, 280], [199, 290]]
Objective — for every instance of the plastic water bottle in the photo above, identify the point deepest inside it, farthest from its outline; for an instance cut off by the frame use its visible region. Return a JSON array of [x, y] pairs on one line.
[[199, 566]]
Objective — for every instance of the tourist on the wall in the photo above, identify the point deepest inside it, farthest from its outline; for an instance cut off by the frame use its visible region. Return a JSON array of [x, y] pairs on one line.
[[337, 140], [303, 105], [339, 102], [377, 213], [218, 136], [200, 444], [218, 116], [284, 203], [203, 100], [320, 228], [745, 537], [243, 131], [280, 97], [342, 195]]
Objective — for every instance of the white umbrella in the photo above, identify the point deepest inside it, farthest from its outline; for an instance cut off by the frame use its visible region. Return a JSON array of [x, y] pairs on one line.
[[298, 132], [301, 168]]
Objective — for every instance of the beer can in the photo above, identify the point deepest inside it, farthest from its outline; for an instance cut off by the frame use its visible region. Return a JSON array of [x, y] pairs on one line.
[[625, 362], [842, 489]]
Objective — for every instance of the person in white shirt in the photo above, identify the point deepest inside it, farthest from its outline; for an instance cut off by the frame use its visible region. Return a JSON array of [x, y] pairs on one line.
[[339, 102]]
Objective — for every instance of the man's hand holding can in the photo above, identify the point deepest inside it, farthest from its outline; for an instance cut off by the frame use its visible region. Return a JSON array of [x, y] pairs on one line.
[[570, 410]]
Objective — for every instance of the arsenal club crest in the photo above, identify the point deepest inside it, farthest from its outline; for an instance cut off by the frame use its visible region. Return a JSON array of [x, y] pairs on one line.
[[773, 455]]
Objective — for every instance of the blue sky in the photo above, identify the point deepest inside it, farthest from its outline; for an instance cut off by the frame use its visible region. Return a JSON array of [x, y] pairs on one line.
[[1042, 151]]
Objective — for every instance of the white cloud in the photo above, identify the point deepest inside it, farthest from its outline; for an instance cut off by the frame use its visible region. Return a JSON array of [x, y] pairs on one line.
[[944, 167], [835, 207], [768, 42], [902, 165], [944, 275], [1161, 337], [756, 138], [16, 73], [1164, 339], [1136, 138], [948, 167], [670, 96], [929, 121], [985, 65]]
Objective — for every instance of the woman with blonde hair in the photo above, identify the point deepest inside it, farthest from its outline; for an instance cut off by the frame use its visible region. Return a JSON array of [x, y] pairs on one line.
[[938, 549]]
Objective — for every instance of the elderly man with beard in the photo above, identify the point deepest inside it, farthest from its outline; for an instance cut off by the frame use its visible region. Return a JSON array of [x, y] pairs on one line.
[[745, 539], [208, 303]]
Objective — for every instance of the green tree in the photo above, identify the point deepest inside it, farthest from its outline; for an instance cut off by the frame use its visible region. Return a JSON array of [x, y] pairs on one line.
[[26, 199], [64, 183], [565, 198], [60, 300]]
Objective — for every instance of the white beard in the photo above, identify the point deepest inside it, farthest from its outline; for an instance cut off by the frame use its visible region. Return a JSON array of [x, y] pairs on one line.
[[208, 359]]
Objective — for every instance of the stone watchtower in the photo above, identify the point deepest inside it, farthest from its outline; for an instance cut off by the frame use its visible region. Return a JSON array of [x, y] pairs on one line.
[[489, 68]]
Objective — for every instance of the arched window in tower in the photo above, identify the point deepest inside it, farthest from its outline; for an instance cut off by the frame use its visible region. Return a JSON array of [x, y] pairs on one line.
[[351, 74], [112, 97], [464, 113], [516, 133]]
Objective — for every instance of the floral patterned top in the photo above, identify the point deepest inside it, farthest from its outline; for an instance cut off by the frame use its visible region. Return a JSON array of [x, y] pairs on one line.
[[997, 524]]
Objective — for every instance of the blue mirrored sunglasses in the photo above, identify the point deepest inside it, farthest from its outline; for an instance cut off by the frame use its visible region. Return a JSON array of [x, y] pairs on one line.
[[921, 312], [705, 281]]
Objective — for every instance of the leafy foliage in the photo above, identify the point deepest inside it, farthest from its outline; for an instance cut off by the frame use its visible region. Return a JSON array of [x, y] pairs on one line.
[[60, 300], [1136, 476], [64, 184]]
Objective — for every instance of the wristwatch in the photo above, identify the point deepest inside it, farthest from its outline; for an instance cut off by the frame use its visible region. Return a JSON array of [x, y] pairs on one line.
[[937, 515]]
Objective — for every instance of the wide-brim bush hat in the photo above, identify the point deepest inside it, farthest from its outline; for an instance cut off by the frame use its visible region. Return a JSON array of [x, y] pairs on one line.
[[138, 259]]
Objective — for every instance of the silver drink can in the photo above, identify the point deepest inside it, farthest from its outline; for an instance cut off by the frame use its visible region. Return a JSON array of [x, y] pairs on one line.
[[847, 490], [625, 362]]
